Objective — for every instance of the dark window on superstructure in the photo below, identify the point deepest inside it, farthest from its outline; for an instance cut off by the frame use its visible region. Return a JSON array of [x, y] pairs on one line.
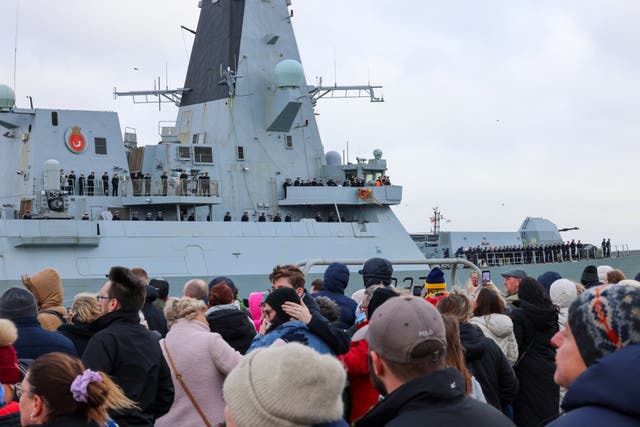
[[54, 118], [203, 154], [101, 145], [194, 139], [288, 142], [240, 151], [184, 153]]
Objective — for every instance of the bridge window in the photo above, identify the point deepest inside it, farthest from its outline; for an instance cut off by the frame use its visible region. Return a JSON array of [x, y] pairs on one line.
[[288, 142], [184, 153], [203, 154], [240, 152], [54, 118]]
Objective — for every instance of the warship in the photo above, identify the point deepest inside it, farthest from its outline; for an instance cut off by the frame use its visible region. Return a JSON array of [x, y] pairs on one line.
[[536, 247], [233, 187]]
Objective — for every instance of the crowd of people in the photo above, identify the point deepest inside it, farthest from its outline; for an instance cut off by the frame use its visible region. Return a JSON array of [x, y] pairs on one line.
[[547, 351], [491, 256], [348, 182]]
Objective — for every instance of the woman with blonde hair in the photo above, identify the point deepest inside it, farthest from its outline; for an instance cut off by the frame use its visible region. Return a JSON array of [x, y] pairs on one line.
[[199, 361], [58, 391], [485, 360], [84, 310]]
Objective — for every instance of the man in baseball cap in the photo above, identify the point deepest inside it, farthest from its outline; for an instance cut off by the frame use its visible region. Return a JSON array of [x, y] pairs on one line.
[[512, 279], [407, 349]]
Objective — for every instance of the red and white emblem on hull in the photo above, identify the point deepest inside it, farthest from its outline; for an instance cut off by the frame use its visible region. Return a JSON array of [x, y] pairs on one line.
[[75, 140]]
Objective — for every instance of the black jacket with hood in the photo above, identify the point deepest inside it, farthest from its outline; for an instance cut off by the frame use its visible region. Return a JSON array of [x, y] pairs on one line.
[[336, 279], [489, 366]]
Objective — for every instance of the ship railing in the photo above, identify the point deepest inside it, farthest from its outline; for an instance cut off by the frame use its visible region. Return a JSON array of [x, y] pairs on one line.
[[544, 256], [141, 187], [454, 263]]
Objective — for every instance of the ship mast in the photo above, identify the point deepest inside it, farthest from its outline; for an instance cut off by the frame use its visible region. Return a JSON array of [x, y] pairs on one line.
[[435, 221]]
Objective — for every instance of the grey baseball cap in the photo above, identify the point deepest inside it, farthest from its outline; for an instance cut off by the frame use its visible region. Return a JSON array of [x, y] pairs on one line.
[[517, 273], [400, 324]]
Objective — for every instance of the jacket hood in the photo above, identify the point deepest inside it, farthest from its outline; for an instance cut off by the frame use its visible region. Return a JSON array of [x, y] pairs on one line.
[[500, 325], [611, 382], [543, 318], [336, 278], [46, 287], [562, 293], [473, 341]]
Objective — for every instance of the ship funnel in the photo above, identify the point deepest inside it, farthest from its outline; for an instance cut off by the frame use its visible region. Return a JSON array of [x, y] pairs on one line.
[[51, 175]]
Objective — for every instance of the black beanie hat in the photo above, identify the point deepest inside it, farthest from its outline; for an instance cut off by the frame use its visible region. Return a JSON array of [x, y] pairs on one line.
[[276, 298], [16, 303], [589, 275], [379, 296]]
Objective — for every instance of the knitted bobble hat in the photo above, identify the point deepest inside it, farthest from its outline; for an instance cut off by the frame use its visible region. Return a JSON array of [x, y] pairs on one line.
[[605, 319], [279, 386]]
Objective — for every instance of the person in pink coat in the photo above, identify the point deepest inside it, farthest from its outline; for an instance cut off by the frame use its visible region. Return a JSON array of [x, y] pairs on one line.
[[201, 357]]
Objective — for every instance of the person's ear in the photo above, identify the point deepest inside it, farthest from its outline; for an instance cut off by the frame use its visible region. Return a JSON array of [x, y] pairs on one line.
[[38, 407], [300, 292], [114, 304], [377, 364]]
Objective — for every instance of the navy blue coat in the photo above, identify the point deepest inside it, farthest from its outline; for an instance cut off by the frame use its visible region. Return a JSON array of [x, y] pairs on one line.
[[606, 393], [336, 279], [33, 341]]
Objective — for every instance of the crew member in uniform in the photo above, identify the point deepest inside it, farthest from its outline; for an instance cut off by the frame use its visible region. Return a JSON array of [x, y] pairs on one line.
[[71, 181], [227, 217], [27, 214], [277, 217], [164, 179], [262, 218], [115, 181], [245, 217], [147, 184], [287, 218], [90, 183], [105, 183], [81, 183], [135, 217], [184, 178]]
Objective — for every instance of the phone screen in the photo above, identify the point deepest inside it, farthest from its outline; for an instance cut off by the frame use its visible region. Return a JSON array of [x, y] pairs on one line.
[[417, 290], [486, 277]]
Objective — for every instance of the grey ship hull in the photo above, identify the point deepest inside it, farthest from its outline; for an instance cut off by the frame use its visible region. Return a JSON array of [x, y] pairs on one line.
[[83, 251]]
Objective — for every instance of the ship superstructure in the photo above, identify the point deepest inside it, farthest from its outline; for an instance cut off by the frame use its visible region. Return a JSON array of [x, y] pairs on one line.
[[244, 138]]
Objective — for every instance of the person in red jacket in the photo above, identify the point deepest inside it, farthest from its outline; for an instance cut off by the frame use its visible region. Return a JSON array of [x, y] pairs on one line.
[[436, 286], [362, 393]]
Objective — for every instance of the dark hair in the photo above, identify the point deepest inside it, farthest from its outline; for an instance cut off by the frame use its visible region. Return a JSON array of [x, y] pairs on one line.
[[220, 294], [422, 365], [533, 292], [50, 377], [455, 352], [328, 308], [126, 288], [295, 276], [316, 285], [488, 302]]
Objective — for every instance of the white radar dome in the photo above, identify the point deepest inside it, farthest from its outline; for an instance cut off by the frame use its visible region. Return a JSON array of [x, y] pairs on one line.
[[377, 153], [333, 158], [7, 98], [289, 74]]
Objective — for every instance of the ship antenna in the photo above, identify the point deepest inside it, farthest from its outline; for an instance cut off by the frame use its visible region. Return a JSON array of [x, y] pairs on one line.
[[15, 47]]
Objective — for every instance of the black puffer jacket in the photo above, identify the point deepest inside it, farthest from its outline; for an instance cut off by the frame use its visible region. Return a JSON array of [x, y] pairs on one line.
[[539, 396], [79, 333], [436, 399], [131, 355], [233, 325], [489, 366]]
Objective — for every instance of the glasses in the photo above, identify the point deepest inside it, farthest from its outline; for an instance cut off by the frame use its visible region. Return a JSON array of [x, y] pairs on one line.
[[19, 391], [363, 308], [100, 297]]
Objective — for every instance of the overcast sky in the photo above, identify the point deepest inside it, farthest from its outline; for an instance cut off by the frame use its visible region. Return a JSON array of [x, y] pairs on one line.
[[493, 110]]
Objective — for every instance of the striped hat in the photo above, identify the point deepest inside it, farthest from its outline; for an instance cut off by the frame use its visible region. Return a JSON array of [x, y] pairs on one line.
[[435, 279], [605, 319]]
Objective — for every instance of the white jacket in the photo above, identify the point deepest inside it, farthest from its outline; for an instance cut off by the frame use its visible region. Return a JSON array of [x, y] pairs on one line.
[[499, 328]]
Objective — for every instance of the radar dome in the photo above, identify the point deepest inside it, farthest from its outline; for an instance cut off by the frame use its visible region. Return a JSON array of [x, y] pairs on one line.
[[377, 154], [289, 73], [7, 98], [333, 158]]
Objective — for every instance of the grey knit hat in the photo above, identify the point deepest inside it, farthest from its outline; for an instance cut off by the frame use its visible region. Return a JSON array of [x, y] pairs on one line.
[[277, 387], [16, 303], [605, 319]]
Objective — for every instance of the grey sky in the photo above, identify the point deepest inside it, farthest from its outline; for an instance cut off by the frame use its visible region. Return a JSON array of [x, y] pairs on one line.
[[493, 110]]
